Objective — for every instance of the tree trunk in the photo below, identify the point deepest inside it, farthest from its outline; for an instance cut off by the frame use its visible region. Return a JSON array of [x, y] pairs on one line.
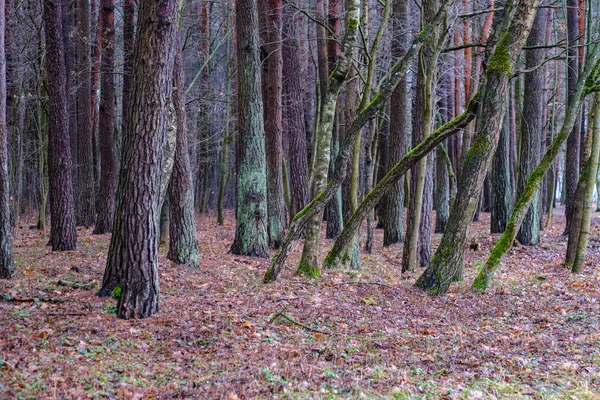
[[183, 243], [393, 214], [572, 162], [501, 185], [532, 127], [420, 201], [271, 17], [62, 208], [85, 159], [131, 272], [128, 41], [108, 148], [251, 234], [448, 259], [6, 259]]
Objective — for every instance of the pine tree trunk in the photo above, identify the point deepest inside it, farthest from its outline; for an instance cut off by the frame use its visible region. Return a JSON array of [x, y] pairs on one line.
[[251, 234], [448, 259], [62, 207], [572, 162], [532, 126], [6, 259], [294, 112], [128, 41], [183, 243], [501, 185], [85, 159], [393, 214], [271, 19], [108, 148], [131, 272]]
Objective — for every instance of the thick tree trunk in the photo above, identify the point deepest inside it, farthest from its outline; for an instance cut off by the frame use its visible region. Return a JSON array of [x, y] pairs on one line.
[[128, 41], [393, 214], [62, 207], [251, 234], [183, 243], [6, 259], [572, 162], [85, 159], [271, 19], [108, 148], [448, 259], [131, 272], [532, 126], [294, 112]]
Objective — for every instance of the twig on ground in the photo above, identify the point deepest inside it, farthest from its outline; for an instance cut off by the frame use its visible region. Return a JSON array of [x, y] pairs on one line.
[[75, 285], [10, 299], [367, 283], [293, 321]]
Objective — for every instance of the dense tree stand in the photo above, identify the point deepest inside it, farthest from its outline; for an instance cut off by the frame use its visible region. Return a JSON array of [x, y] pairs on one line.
[[131, 272]]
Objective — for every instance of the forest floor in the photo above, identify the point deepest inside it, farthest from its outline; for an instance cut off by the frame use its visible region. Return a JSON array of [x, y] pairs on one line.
[[534, 334]]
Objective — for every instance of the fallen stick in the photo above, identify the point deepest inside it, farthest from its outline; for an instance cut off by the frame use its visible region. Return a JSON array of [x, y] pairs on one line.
[[75, 285], [293, 321], [10, 299]]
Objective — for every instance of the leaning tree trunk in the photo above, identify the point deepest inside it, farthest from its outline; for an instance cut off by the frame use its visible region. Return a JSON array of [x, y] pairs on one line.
[[131, 272], [309, 263], [108, 148], [183, 243], [572, 113], [6, 259], [62, 207], [251, 233], [313, 210], [85, 157], [447, 262], [532, 127]]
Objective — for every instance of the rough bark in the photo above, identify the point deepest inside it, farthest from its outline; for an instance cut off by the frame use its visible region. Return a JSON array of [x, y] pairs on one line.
[[62, 207], [85, 159], [251, 234], [393, 214], [108, 148], [128, 40], [131, 272], [501, 185], [183, 243], [447, 262], [532, 126], [573, 142]]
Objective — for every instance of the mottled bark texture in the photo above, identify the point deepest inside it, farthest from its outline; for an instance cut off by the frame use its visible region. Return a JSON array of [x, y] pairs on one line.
[[183, 242], [251, 233], [131, 272], [572, 164], [532, 127], [128, 40], [6, 259], [85, 157], [447, 262], [393, 203], [108, 147], [62, 207], [271, 21], [294, 112]]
